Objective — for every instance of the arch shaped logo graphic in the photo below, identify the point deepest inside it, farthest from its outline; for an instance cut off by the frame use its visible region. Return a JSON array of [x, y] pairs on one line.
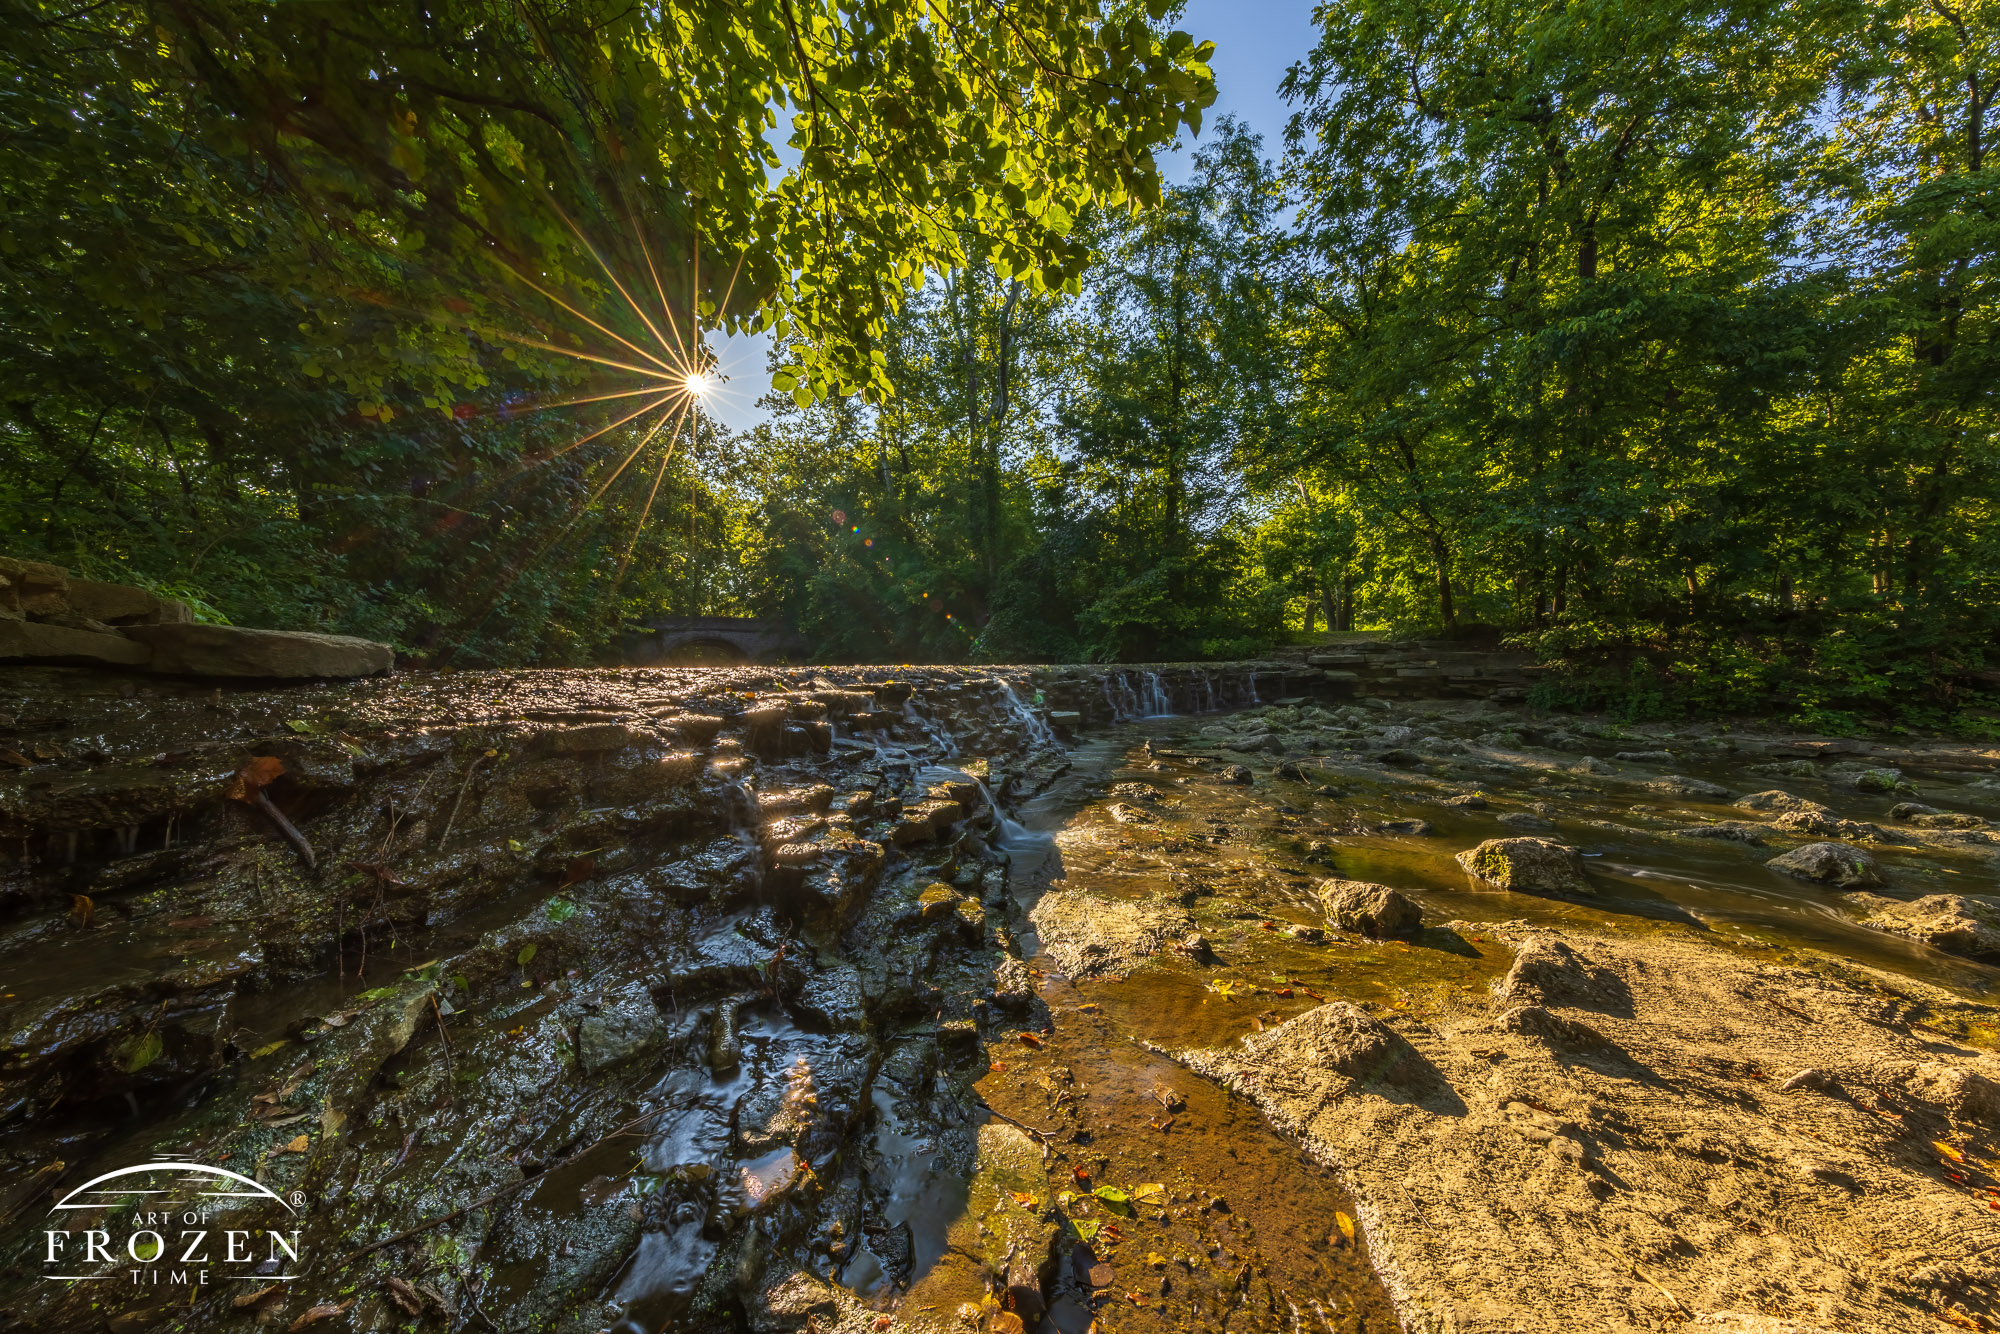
[[172, 1223]]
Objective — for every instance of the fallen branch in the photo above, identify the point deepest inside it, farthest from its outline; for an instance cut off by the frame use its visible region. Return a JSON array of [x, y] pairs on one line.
[[1032, 1130], [285, 827], [470, 769]]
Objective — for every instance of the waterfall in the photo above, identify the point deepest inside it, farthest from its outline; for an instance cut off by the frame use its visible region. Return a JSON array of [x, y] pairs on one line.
[[1204, 699], [1037, 727], [1158, 704], [1013, 833]]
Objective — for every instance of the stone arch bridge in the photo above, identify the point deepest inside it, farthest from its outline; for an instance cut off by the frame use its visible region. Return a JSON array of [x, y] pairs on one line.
[[714, 641]]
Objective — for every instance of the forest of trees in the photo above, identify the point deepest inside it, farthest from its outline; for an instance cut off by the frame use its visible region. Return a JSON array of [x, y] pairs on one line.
[[1656, 337]]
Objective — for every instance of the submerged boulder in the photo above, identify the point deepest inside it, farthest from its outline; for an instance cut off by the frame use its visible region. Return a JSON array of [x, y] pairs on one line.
[[1965, 924], [1526, 865], [1373, 910], [1829, 864], [1776, 799], [1680, 785], [1948, 820]]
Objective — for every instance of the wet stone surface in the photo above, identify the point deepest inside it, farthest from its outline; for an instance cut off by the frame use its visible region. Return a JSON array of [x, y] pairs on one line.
[[857, 1000]]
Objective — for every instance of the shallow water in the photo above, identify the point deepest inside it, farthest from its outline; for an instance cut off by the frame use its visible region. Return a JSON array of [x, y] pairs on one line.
[[1245, 861]]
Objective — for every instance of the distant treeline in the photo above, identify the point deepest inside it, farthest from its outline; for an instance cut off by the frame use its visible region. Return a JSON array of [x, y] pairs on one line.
[[1658, 337]]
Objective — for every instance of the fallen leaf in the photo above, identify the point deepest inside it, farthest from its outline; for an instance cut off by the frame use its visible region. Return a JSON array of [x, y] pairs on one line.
[[82, 910], [298, 1145], [1025, 1200], [1102, 1276], [404, 1295], [998, 1067], [1947, 1151], [1148, 1192], [1346, 1226], [261, 1295], [324, 1311], [260, 771], [1114, 1199], [15, 758], [1030, 1040]]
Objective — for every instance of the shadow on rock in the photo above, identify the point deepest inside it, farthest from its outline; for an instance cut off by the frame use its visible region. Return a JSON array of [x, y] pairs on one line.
[[1337, 1051], [1548, 972]]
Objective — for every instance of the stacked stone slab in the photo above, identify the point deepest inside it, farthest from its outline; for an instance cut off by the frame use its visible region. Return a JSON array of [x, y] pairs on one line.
[[48, 617], [1428, 669]]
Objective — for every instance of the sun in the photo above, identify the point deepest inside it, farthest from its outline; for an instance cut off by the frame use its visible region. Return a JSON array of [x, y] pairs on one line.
[[696, 384]]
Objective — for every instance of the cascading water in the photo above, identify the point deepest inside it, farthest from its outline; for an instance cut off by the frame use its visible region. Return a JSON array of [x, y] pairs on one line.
[[1037, 727], [1123, 699], [938, 736], [1156, 702]]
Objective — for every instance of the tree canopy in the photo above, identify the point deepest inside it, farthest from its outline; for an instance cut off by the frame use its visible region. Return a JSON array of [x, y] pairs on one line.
[[1657, 337]]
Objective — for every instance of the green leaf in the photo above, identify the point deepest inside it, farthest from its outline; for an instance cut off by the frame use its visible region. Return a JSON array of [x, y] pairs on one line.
[[1115, 1200], [139, 1052]]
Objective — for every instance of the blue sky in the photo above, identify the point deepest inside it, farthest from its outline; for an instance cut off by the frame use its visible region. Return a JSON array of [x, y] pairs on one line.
[[1255, 42]]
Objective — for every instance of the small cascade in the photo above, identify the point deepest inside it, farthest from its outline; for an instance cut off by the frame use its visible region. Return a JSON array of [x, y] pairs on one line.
[[746, 822], [1123, 699], [1013, 834], [1156, 703], [937, 734], [1037, 727]]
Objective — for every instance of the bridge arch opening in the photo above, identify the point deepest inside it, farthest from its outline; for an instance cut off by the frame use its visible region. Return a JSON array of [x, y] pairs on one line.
[[703, 652]]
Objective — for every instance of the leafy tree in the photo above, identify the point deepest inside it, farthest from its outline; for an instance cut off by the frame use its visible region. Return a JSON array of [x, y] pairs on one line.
[[1645, 326], [281, 281]]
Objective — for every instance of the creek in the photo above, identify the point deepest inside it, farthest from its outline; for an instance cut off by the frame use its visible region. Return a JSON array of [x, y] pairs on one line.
[[666, 1000]]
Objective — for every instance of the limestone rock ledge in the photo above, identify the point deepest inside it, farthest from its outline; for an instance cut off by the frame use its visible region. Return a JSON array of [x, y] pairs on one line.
[[1670, 1133], [49, 618]]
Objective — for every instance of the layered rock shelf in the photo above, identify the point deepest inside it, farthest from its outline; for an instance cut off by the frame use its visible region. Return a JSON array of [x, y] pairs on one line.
[[47, 616], [1187, 997]]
